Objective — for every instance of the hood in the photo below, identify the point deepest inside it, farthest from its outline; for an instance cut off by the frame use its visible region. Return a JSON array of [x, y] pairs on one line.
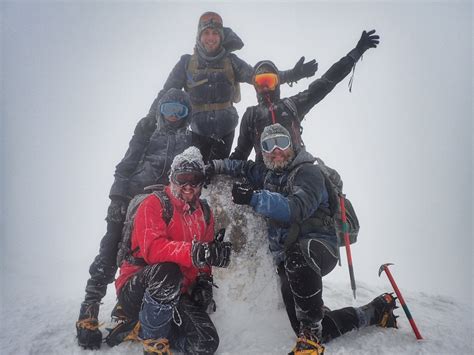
[[173, 95], [302, 157], [267, 66], [231, 41]]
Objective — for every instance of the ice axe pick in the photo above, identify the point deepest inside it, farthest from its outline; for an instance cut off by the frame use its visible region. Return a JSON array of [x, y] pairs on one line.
[[384, 267]]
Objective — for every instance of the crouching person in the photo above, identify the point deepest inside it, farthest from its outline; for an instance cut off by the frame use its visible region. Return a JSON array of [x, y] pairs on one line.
[[165, 284]]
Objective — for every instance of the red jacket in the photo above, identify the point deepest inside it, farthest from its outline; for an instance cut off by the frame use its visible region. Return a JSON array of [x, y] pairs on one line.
[[158, 242]]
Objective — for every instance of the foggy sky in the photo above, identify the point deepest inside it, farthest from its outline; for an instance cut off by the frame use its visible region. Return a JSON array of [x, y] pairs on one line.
[[76, 78]]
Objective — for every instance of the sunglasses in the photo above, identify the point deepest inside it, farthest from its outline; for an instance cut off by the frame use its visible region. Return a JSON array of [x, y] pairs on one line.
[[266, 80], [192, 179], [174, 109], [271, 143]]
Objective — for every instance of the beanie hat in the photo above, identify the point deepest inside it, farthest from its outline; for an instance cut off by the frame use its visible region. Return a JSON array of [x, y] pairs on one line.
[[210, 20], [274, 130], [189, 161]]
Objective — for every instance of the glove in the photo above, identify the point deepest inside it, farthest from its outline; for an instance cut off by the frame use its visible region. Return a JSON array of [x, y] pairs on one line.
[[201, 293], [242, 193], [117, 210], [216, 253], [88, 334], [367, 40], [304, 70]]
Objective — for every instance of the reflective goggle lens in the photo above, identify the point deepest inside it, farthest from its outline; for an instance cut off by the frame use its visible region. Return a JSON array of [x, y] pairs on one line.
[[268, 80], [174, 109], [192, 179], [269, 144]]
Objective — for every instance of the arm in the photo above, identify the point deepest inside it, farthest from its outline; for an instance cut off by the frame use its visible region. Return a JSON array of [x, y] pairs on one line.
[[136, 148], [244, 142], [308, 192], [254, 172], [244, 72], [177, 78], [319, 88]]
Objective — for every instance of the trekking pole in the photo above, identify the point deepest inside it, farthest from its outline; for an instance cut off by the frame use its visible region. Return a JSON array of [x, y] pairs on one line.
[[345, 229], [384, 267]]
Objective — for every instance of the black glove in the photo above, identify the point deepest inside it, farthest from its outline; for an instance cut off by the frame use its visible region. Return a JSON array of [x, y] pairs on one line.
[[117, 210], [242, 193], [201, 293], [216, 253], [304, 70], [88, 334], [367, 40]]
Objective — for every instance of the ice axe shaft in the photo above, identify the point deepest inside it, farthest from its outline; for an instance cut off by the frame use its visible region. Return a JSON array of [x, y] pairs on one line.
[[384, 267], [347, 244]]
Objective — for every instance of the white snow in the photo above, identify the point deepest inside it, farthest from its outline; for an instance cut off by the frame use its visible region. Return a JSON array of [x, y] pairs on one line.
[[250, 316]]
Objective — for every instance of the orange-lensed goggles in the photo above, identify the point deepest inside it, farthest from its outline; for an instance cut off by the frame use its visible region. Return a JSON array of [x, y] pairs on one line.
[[266, 80]]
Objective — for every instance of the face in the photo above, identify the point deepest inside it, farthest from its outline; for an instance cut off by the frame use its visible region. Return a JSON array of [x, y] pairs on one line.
[[187, 193], [278, 159], [171, 119], [210, 40]]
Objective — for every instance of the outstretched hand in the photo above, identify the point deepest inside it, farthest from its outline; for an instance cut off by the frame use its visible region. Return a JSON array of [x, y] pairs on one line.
[[368, 40], [305, 70]]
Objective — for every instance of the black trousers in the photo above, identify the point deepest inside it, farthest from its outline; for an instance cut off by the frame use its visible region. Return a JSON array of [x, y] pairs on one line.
[[153, 295], [103, 268], [212, 148], [306, 262]]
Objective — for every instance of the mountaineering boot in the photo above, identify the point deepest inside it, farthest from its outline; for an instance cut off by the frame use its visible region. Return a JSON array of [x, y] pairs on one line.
[[88, 334], [125, 329], [380, 311], [308, 342], [156, 347]]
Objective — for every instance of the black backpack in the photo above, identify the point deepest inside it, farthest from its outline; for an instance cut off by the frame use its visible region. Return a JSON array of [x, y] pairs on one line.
[[124, 252], [334, 186], [326, 218]]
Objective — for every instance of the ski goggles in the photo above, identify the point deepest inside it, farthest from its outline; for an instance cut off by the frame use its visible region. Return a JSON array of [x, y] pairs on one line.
[[175, 109], [266, 80], [271, 143], [194, 179]]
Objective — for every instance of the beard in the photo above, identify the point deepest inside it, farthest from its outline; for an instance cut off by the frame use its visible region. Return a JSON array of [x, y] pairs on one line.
[[178, 193], [279, 165]]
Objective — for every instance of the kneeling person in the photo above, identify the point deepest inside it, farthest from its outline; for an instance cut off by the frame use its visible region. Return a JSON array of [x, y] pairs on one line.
[[165, 284]]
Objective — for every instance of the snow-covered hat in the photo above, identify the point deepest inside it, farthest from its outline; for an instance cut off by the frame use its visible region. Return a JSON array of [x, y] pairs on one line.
[[189, 161], [274, 130], [210, 20]]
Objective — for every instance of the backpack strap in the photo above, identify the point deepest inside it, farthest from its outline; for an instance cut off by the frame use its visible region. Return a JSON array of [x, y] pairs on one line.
[[296, 126], [206, 210], [167, 211]]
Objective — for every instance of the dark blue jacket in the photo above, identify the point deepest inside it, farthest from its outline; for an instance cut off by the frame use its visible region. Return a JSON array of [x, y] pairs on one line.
[[284, 197]]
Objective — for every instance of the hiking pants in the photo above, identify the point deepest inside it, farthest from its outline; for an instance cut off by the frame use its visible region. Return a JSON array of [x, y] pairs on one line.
[[153, 295], [212, 148]]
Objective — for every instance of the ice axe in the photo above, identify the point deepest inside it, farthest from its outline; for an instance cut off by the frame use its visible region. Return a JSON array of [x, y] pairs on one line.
[[384, 267], [347, 244]]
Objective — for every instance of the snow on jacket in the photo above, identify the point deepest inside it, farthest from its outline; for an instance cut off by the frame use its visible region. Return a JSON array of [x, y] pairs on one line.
[[285, 202], [217, 87], [288, 112], [157, 242], [152, 148]]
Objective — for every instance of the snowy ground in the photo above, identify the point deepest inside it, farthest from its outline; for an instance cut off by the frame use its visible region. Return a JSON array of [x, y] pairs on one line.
[[38, 313]]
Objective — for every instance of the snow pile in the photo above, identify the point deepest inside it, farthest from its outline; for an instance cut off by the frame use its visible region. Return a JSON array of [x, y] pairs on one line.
[[250, 316]]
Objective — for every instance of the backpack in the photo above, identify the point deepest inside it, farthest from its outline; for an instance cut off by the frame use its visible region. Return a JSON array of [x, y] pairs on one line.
[[124, 252], [327, 218], [334, 186]]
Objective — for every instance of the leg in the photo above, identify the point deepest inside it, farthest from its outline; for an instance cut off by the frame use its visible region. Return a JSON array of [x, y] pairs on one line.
[[196, 334], [288, 299], [151, 296], [220, 149]]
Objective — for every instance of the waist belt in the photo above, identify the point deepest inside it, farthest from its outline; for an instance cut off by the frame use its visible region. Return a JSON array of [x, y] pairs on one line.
[[212, 107]]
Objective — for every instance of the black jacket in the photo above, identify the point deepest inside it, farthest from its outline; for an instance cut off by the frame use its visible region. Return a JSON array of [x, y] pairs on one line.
[[289, 112]]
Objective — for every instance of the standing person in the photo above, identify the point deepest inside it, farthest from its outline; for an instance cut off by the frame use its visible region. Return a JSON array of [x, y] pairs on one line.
[[289, 112], [290, 191], [212, 75], [165, 285], [157, 139]]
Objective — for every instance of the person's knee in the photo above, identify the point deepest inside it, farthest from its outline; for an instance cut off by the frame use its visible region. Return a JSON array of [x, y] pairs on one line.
[[164, 282]]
